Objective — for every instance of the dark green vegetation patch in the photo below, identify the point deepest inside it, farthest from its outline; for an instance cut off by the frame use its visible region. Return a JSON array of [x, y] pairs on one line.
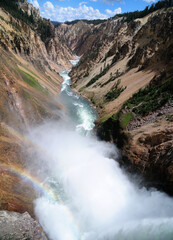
[[11, 7], [42, 26], [151, 98], [115, 91], [94, 22], [129, 16], [102, 73]]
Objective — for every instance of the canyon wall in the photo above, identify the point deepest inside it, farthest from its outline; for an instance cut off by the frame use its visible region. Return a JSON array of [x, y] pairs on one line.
[[29, 87], [126, 71]]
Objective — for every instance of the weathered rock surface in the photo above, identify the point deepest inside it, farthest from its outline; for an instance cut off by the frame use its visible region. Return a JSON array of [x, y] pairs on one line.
[[27, 7], [74, 35], [19, 37], [149, 151], [19, 226], [147, 146], [129, 52]]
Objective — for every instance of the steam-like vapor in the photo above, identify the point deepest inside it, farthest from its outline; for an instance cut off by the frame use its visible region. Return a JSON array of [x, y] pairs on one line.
[[96, 199]]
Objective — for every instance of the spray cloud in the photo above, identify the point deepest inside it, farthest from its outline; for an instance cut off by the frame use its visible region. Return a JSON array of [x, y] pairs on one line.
[[96, 200]]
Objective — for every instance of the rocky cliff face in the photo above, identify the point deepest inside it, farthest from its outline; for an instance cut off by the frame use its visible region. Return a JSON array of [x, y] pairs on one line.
[[131, 53], [27, 7], [151, 152], [29, 85], [74, 35], [19, 37]]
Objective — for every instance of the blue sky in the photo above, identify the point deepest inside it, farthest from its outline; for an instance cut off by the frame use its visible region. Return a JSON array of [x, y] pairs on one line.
[[68, 10]]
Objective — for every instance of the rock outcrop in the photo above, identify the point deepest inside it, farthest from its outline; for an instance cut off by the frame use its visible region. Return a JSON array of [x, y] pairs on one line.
[[27, 7], [150, 153], [19, 226], [74, 35]]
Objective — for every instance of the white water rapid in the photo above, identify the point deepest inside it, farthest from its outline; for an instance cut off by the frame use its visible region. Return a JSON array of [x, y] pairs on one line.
[[89, 197]]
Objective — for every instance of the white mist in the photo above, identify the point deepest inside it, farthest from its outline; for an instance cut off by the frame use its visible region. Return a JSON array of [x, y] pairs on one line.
[[96, 200]]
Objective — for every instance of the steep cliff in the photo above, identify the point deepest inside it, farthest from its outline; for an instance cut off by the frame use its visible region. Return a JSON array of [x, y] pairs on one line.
[[131, 53], [29, 85], [28, 8], [74, 35]]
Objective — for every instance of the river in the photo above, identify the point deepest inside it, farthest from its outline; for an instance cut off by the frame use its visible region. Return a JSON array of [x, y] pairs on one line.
[[89, 197], [81, 113]]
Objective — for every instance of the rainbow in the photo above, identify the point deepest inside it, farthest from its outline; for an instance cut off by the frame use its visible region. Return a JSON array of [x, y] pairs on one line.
[[22, 139], [23, 174], [36, 183], [47, 192]]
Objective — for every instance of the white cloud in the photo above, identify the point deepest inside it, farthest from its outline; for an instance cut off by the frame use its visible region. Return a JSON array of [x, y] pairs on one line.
[[48, 6], [63, 14], [82, 3], [112, 13], [111, 1], [35, 3], [149, 1], [107, 1]]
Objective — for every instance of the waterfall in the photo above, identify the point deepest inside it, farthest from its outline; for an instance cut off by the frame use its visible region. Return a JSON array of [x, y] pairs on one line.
[[94, 198]]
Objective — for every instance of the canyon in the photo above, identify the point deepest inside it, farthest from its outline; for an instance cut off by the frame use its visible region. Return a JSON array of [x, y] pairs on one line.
[[125, 71], [123, 66]]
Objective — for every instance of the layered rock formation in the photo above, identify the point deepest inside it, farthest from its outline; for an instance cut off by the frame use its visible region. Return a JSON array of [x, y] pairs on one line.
[[151, 153], [74, 35], [29, 86], [19, 37], [132, 53]]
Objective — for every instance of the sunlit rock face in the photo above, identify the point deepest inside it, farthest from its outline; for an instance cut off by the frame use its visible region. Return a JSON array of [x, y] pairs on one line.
[[133, 52], [74, 35]]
